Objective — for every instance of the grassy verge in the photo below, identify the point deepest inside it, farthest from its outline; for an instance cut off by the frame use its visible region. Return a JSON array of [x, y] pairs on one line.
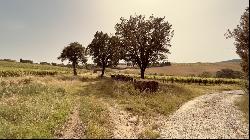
[[31, 110], [243, 105]]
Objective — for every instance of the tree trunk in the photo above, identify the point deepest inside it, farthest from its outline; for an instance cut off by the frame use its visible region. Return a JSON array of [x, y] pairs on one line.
[[142, 73], [103, 69], [74, 68]]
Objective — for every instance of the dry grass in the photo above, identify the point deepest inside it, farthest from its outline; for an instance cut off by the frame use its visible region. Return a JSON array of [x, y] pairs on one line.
[[149, 134], [35, 107], [243, 105], [29, 109]]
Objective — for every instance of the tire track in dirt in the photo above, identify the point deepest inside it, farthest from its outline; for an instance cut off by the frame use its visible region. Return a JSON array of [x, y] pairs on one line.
[[125, 125], [73, 128]]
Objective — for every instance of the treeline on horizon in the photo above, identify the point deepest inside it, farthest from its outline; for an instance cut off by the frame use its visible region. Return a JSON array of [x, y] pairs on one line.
[[223, 73], [87, 66]]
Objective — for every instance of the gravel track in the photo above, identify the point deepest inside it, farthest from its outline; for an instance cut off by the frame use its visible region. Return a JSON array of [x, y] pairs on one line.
[[211, 116]]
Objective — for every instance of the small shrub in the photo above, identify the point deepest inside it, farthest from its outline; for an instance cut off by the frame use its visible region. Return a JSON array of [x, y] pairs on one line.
[[44, 63], [8, 60], [121, 77], [229, 73], [206, 74], [191, 75], [151, 86], [26, 61]]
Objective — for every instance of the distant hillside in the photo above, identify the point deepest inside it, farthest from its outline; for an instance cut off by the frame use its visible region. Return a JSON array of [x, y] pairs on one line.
[[186, 69], [232, 60]]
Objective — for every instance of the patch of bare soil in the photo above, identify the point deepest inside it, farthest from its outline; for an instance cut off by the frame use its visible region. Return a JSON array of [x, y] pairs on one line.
[[125, 125]]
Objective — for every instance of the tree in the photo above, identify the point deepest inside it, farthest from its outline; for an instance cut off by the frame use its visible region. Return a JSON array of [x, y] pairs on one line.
[[75, 53], [241, 36], [145, 41], [105, 50]]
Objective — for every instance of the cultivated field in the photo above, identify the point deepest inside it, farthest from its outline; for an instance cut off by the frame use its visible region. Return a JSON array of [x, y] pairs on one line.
[[40, 104], [15, 69], [187, 69]]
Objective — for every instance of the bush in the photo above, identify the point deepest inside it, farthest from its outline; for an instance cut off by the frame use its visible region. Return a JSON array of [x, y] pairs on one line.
[[90, 66], [151, 86], [157, 64], [122, 77], [18, 73], [61, 65], [8, 60], [191, 75], [44, 63], [229, 73], [26, 61], [206, 74]]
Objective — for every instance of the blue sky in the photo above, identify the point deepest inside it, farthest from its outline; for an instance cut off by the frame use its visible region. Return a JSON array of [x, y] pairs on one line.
[[40, 29]]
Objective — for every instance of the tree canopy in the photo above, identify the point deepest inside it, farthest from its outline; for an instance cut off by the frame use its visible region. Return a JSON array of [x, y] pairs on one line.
[[241, 36], [105, 50], [144, 41], [75, 53]]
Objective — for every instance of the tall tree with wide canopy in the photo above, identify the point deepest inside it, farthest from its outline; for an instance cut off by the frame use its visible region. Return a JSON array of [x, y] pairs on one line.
[[105, 50], [75, 53], [241, 36], [144, 41]]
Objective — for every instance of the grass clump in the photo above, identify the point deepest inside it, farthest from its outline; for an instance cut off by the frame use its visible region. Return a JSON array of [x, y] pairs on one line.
[[243, 104], [149, 134]]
